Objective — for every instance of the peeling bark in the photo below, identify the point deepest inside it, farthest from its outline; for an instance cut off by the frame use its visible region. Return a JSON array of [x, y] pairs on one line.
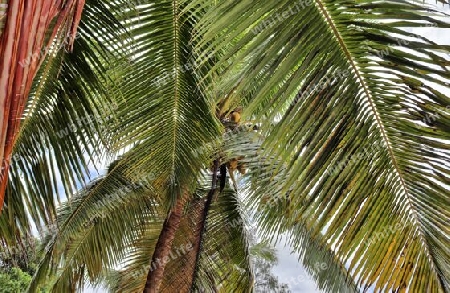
[[23, 40]]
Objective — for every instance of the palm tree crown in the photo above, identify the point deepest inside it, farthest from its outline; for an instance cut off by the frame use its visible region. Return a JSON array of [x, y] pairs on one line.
[[328, 117]]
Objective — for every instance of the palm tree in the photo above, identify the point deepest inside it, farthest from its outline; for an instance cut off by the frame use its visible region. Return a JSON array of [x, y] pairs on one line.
[[343, 161]]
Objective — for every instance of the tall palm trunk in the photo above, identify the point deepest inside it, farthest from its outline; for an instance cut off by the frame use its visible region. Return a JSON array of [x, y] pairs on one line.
[[164, 246], [201, 227], [22, 49]]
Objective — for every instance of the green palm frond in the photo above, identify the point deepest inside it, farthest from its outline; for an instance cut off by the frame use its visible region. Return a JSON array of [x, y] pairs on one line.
[[342, 91], [157, 128], [132, 274], [95, 230], [319, 260], [165, 117]]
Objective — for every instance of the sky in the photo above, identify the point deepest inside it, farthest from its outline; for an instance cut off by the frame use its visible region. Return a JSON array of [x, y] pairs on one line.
[[288, 269]]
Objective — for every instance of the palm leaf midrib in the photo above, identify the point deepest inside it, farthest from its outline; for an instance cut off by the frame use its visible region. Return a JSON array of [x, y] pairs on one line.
[[176, 47]]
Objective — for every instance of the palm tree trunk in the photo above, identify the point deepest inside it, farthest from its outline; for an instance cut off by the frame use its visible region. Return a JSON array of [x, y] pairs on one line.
[[21, 47], [198, 215], [193, 221], [164, 246], [201, 227]]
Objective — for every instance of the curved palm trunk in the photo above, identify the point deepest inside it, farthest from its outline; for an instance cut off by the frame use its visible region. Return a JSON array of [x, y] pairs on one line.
[[164, 246], [21, 47]]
